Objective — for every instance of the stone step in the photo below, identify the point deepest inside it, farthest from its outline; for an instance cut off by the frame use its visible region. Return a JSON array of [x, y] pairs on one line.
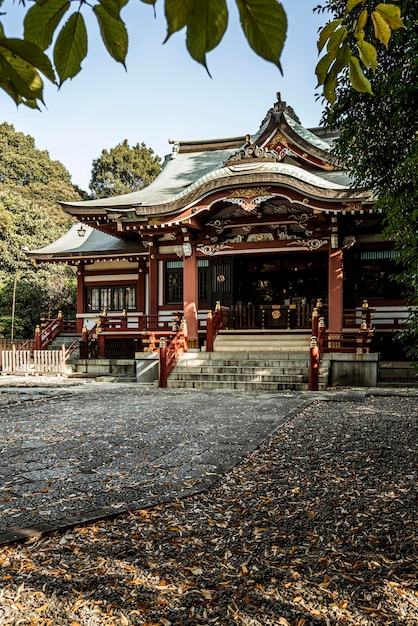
[[242, 386], [238, 385], [252, 377], [237, 370], [244, 357], [263, 371], [272, 342]]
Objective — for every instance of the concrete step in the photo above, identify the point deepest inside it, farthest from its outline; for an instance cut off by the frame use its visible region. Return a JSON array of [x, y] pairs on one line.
[[264, 371], [238, 385], [224, 369], [262, 341]]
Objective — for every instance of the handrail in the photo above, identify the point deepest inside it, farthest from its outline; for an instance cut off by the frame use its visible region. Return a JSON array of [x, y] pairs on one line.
[[355, 340], [87, 335], [109, 323], [46, 336], [71, 349], [214, 324], [169, 355]]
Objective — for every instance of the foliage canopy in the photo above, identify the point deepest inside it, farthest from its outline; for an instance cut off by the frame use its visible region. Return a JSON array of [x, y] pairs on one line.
[[30, 186], [60, 26], [379, 144], [124, 169]]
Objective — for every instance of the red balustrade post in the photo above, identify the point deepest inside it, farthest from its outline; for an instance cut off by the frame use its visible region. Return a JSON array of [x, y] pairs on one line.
[[60, 322], [124, 320], [101, 351], [209, 332], [163, 363], [315, 322], [84, 343], [314, 366], [38, 339]]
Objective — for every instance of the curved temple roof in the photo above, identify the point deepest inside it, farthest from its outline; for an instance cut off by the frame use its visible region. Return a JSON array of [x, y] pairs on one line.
[[197, 168], [91, 242]]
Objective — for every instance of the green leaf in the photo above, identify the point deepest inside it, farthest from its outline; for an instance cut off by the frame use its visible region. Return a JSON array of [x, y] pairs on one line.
[[368, 54], [329, 87], [342, 59], [361, 23], [353, 3], [322, 68], [21, 75], [113, 7], [358, 80], [382, 29], [206, 27], [336, 40], [114, 34], [265, 26], [71, 47], [326, 32], [41, 21], [7, 86], [29, 52], [177, 13], [391, 14]]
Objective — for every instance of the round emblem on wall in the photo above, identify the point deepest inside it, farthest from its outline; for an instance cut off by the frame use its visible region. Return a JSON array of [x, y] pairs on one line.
[[220, 278], [276, 314]]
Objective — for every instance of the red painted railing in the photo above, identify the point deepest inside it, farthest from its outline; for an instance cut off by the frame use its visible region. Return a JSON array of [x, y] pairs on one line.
[[169, 355], [47, 335], [356, 340], [214, 323]]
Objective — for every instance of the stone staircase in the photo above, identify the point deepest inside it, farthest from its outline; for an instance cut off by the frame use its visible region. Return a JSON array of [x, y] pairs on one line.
[[65, 339], [249, 362]]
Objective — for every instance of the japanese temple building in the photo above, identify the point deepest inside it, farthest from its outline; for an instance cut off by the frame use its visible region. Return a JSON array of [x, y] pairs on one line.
[[264, 224]]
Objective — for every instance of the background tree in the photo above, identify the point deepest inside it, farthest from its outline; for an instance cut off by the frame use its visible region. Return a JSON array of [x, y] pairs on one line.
[[30, 186], [60, 24], [379, 144], [123, 169]]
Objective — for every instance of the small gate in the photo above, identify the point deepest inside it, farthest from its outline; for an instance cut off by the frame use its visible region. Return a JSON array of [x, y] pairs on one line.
[[36, 362]]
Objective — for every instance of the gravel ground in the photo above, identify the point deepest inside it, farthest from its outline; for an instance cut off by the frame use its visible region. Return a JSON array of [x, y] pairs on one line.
[[315, 527]]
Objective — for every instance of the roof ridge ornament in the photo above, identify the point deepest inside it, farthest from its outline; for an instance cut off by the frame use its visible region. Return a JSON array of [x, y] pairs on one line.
[[253, 152]]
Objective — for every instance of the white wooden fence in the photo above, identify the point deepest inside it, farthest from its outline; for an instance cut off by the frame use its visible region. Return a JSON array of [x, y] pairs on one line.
[[36, 362]]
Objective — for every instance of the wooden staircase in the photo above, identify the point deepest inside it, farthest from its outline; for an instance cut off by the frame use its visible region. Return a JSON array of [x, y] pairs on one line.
[[253, 361]]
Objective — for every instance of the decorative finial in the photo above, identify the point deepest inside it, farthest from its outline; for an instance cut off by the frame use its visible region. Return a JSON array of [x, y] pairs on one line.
[[248, 138]]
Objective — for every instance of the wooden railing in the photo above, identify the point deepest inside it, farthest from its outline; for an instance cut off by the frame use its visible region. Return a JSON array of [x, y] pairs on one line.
[[247, 316], [133, 323], [215, 321], [355, 340], [170, 352], [49, 329]]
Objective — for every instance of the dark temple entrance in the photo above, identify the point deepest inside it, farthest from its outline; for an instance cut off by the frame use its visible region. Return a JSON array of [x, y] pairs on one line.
[[277, 291]]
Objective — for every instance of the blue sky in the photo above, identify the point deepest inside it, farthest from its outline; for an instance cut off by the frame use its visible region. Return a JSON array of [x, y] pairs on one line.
[[165, 94]]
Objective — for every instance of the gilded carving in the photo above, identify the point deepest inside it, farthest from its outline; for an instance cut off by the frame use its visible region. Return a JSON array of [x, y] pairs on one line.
[[211, 250], [352, 206], [252, 152], [249, 192], [279, 138]]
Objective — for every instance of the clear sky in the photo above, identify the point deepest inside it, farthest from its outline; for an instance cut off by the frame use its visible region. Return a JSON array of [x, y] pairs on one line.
[[165, 94]]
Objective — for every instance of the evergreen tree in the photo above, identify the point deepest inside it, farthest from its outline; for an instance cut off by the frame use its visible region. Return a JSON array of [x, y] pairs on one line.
[[379, 144], [31, 184], [123, 169]]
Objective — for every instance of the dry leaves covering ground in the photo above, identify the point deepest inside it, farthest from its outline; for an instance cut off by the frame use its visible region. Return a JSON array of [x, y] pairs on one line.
[[317, 527]]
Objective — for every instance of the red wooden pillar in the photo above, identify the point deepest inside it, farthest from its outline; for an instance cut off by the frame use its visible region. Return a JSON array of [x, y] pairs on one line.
[[140, 288], [190, 295], [335, 291], [81, 298], [153, 281]]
